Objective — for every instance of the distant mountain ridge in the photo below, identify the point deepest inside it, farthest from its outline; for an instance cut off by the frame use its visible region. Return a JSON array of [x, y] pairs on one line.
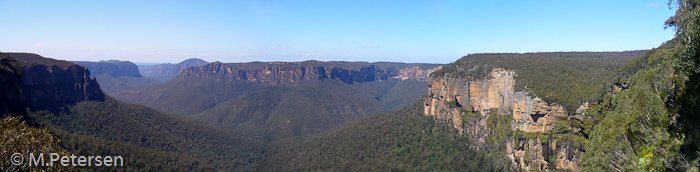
[[276, 73], [167, 71], [115, 75], [114, 68]]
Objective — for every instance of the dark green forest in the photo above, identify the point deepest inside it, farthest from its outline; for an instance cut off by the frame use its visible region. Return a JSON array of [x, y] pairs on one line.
[[401, 140], [144, 127]]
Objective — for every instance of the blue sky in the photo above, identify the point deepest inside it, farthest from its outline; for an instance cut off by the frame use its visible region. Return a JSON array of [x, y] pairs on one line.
[[431, 31]]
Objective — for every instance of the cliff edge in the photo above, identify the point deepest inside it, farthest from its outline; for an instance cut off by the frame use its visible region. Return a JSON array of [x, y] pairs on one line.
[[469, 104]]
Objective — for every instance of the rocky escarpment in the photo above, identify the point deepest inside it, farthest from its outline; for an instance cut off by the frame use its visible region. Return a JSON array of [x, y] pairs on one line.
[[50, 84], [469, 104], [11, 87], [276, 73], [113, 68]]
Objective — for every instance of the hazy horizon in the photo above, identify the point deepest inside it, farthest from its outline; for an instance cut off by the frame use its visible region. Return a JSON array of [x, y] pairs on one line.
[[392, 31]]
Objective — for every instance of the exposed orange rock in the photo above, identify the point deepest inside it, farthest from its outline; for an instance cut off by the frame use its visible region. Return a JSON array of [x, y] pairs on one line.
[[450, 96]]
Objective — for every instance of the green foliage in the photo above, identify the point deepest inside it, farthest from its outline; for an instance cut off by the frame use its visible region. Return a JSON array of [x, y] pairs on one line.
[[144, 127], [500, 126], [653, 126], [136, 158], [687, 25], [402, 140], [633, 133], [18, 137], [468, 115], [568, 78]]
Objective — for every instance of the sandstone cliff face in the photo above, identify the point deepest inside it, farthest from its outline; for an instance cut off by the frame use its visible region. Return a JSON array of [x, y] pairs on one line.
[[495, 93], [535, 115], [451, 98], [276, 73]]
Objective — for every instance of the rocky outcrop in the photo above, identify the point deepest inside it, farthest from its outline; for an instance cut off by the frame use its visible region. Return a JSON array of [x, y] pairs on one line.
[[50, 84], [276, 73], [114, 68], [534, 154], [616, 88], [493, 93], [453, 99], [535, 115], [486, 95]]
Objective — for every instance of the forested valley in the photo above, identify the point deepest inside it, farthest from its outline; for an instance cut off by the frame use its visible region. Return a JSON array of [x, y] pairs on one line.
[[549, 111]]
